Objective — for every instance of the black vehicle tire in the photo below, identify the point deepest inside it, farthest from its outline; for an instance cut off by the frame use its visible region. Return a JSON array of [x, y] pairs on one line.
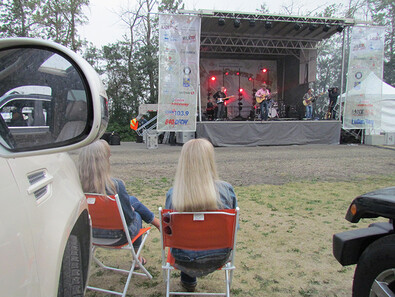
[[70, 281], [377, 263]]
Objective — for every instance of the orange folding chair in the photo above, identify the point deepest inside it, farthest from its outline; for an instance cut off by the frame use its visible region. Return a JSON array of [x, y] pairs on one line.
[[106, 213], [206, 230]]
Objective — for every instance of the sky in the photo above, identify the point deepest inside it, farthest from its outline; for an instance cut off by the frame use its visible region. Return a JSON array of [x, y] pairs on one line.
[[105, 26]]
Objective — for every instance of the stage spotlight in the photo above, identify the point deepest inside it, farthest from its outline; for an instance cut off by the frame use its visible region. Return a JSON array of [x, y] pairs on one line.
[[241, 90], [268, 25], [264, 70], [226, 72], [250, 78], [297, 26], [236, 23], [326, 28], [221, 22], [237, 73], [213, 78], [340, 28], [312, 27], [252, 23]]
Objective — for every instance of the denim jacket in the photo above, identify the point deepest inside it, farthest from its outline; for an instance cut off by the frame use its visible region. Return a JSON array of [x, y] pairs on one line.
[[129, 213], [199, 263]]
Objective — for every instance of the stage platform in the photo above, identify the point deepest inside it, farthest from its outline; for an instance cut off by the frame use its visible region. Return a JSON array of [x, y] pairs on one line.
[[256, 133]]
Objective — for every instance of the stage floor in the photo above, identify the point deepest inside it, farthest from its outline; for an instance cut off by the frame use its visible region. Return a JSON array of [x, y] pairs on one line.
[[256, 133]]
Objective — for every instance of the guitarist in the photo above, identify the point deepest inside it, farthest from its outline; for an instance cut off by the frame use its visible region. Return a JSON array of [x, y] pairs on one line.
[[263, 96], [219, 97], [308, 100]]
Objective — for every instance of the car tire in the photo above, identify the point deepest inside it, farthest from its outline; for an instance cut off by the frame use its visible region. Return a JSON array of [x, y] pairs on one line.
[[376, 264], [71, 281]]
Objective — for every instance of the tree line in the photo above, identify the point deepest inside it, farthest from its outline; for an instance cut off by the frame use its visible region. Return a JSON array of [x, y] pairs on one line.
[[129, 67]]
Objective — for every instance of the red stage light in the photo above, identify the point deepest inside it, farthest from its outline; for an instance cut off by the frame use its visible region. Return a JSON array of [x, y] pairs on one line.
[[226, 73], [213, 78], [264, 70], [241, 90], [237, 73], [225, 90], [250, 78]]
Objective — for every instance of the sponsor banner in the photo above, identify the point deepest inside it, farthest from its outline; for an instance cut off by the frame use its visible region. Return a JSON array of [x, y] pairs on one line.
[[362, 108], [179, 43]]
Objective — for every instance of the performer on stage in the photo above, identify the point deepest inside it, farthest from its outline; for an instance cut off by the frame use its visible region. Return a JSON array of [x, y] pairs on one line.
[[219, 97], [333, 94], [263, 96], [211, 109], [308, 100]]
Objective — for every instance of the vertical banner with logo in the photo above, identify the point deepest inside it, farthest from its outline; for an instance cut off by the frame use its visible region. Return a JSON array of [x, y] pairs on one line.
[[179, 43], [362, 109]]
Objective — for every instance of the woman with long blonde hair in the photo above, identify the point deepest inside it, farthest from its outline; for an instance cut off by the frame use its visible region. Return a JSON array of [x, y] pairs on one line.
[[95, 176], [197, 188]]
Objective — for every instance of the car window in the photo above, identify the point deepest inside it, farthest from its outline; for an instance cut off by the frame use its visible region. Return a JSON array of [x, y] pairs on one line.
[[43, 100]]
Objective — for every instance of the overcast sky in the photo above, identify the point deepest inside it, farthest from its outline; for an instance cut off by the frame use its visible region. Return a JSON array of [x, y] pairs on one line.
[[105, 27]]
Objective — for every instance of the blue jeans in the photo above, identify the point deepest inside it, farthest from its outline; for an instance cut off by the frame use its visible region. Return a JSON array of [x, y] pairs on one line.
[[309, 112], [198, 263], [142, 213], [264, 110]]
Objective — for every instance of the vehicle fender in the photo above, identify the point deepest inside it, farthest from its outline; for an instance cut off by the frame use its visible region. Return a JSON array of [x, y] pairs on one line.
[[348, 246]]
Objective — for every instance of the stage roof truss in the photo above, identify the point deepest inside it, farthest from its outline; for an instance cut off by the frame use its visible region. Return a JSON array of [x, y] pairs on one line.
[[218, 44], [264, 34]]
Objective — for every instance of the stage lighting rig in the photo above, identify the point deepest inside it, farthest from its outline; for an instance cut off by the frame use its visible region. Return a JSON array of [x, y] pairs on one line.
[[312, 27], [326, 28], [339, 28], [297, 26], [221, 22], [236, 23], [252, 23], [268, 25]]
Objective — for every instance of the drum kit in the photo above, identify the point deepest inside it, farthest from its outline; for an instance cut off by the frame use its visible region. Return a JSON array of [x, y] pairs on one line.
[[272, 112]]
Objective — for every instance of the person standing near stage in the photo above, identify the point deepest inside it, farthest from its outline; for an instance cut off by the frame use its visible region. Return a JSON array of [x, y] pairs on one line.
[[219, 97], [308, 99], [263, 97], [333, 94]]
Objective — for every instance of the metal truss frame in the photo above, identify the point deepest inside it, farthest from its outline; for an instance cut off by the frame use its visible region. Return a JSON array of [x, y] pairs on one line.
[[253, 46], [281, 18]]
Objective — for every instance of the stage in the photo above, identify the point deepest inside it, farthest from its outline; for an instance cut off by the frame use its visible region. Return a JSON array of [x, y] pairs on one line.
[[282, 132]]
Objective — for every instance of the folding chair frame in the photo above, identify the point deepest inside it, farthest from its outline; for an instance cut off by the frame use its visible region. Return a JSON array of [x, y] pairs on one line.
[[168, 260], [104, 243]]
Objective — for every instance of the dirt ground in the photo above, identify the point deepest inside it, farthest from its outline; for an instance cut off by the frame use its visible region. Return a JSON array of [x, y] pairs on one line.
[[243, 166]]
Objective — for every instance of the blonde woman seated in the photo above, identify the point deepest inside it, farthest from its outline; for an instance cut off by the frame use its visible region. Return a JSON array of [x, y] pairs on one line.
[[198, 188], [94, 171]]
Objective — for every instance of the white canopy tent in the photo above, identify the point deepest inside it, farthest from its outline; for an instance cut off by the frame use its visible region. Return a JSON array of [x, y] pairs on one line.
[[371, 86]]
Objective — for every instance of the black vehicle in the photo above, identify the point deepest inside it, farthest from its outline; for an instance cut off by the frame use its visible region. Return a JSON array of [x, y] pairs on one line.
[[372, 248]]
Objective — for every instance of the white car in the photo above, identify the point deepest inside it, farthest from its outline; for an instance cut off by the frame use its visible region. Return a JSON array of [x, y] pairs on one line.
[[51, 101]]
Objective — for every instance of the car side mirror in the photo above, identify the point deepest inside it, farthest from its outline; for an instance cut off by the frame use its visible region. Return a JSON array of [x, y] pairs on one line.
[[50, 98]]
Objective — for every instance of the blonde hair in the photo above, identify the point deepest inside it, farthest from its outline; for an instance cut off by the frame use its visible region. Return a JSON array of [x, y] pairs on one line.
[[94, 168], [194, 186]]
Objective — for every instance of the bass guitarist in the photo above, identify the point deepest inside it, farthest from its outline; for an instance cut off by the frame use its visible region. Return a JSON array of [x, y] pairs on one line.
[[263, 96], [308, 100], [220, 97]]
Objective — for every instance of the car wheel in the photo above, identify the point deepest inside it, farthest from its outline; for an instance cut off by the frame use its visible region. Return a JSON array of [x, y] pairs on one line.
[[70, 281], [375, 271]]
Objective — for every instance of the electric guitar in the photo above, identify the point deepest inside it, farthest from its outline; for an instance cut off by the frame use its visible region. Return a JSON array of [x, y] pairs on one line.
[[259, 99], [221, 100], [311, 99]]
